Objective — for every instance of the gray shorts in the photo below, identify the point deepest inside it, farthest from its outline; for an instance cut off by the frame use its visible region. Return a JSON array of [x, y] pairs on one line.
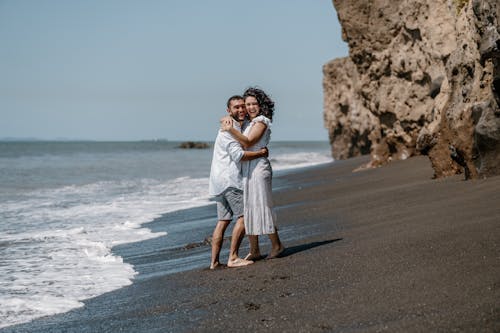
[[229, 204]]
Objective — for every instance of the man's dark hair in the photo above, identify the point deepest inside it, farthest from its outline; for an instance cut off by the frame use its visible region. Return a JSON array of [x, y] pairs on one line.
[[233, 98], [266, 104]]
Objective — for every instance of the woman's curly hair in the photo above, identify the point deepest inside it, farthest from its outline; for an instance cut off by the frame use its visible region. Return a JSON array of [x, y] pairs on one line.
[[266, 104]]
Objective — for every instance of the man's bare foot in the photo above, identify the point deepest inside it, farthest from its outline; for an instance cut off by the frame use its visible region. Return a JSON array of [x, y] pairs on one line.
[[276, 253], [238, 262], [254, 256]]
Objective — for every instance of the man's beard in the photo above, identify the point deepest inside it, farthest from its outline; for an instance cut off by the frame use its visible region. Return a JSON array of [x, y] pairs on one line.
[[237, 118]]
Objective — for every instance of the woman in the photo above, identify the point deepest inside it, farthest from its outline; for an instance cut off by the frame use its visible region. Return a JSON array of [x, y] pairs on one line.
[[260, 218]]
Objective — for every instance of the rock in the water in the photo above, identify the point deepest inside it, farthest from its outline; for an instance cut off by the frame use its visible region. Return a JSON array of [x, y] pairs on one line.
[[193, 145]]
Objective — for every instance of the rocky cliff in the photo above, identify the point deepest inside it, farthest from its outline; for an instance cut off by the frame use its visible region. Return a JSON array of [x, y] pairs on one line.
[[422, 77]]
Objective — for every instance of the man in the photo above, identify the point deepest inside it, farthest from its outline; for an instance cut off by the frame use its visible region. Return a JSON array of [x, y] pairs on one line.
[[226, 186]]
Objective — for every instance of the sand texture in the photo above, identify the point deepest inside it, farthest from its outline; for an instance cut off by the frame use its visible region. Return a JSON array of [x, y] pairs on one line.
[[387, 249]]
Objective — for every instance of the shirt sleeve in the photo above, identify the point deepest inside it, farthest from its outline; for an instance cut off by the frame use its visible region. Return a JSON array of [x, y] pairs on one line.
[[262, 119], [234, 148]]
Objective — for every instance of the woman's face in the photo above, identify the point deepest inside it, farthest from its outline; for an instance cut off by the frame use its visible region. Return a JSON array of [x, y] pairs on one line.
[[252, 106]]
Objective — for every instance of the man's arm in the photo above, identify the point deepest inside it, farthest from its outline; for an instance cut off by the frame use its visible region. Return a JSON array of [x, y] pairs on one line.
[[251, 155]]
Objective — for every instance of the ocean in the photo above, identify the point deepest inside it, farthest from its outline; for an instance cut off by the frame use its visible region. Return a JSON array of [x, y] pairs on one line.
[[65, 205]]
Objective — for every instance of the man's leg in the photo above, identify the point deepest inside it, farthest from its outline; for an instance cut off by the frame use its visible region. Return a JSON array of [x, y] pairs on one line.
[[217, 239], [236, 238]]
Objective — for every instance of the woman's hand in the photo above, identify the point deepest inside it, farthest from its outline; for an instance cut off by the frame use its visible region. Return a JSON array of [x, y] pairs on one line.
[[264, 151], [226, 123]]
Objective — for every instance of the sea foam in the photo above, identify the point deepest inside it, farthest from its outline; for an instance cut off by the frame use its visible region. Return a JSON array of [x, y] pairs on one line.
[[62, 254]]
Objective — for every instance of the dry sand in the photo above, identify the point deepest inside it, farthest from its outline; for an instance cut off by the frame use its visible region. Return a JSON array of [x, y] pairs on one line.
[[399, 252]]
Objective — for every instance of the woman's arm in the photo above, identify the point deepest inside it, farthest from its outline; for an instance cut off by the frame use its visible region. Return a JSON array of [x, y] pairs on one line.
[[251, 155], [255, 134]]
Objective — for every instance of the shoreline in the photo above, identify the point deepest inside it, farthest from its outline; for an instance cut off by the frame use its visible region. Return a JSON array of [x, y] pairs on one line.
[[386, 249]]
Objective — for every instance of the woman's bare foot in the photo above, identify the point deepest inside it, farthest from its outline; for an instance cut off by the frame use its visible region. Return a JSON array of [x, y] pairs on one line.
[[276, 253]]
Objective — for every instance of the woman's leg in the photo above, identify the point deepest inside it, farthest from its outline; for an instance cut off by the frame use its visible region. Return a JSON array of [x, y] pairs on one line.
[[277, 246], [254, 248]]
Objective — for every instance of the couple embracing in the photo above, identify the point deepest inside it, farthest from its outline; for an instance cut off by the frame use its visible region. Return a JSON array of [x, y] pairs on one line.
[[241, 176]]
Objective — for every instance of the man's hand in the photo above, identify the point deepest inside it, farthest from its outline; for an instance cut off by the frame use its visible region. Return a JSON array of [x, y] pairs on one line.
[[226, 123]]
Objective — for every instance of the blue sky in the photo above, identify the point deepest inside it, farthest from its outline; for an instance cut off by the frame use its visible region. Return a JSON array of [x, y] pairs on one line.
[[139, 70]]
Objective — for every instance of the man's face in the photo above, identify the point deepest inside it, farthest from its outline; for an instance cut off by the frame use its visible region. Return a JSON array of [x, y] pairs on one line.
[[237, 109]]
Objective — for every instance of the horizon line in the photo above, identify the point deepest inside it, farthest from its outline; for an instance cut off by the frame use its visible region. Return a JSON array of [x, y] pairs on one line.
[[13, 139]]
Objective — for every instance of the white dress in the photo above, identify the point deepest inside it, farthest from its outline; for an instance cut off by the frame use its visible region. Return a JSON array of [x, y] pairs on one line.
[[259, 215]]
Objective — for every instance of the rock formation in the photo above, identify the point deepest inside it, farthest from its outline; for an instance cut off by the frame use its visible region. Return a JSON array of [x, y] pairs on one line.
[[422, 77], [193, 145]]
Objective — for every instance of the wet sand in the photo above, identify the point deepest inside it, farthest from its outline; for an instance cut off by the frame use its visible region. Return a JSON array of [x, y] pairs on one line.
[[387, 249]]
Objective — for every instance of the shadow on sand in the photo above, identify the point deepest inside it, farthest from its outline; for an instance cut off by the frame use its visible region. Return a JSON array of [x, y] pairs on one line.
[[304, 247]]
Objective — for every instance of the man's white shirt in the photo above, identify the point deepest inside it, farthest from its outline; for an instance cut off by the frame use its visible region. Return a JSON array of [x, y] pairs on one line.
[[226, 168]]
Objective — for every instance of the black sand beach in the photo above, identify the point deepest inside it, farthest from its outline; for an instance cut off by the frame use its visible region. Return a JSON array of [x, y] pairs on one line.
[[387, 249]]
